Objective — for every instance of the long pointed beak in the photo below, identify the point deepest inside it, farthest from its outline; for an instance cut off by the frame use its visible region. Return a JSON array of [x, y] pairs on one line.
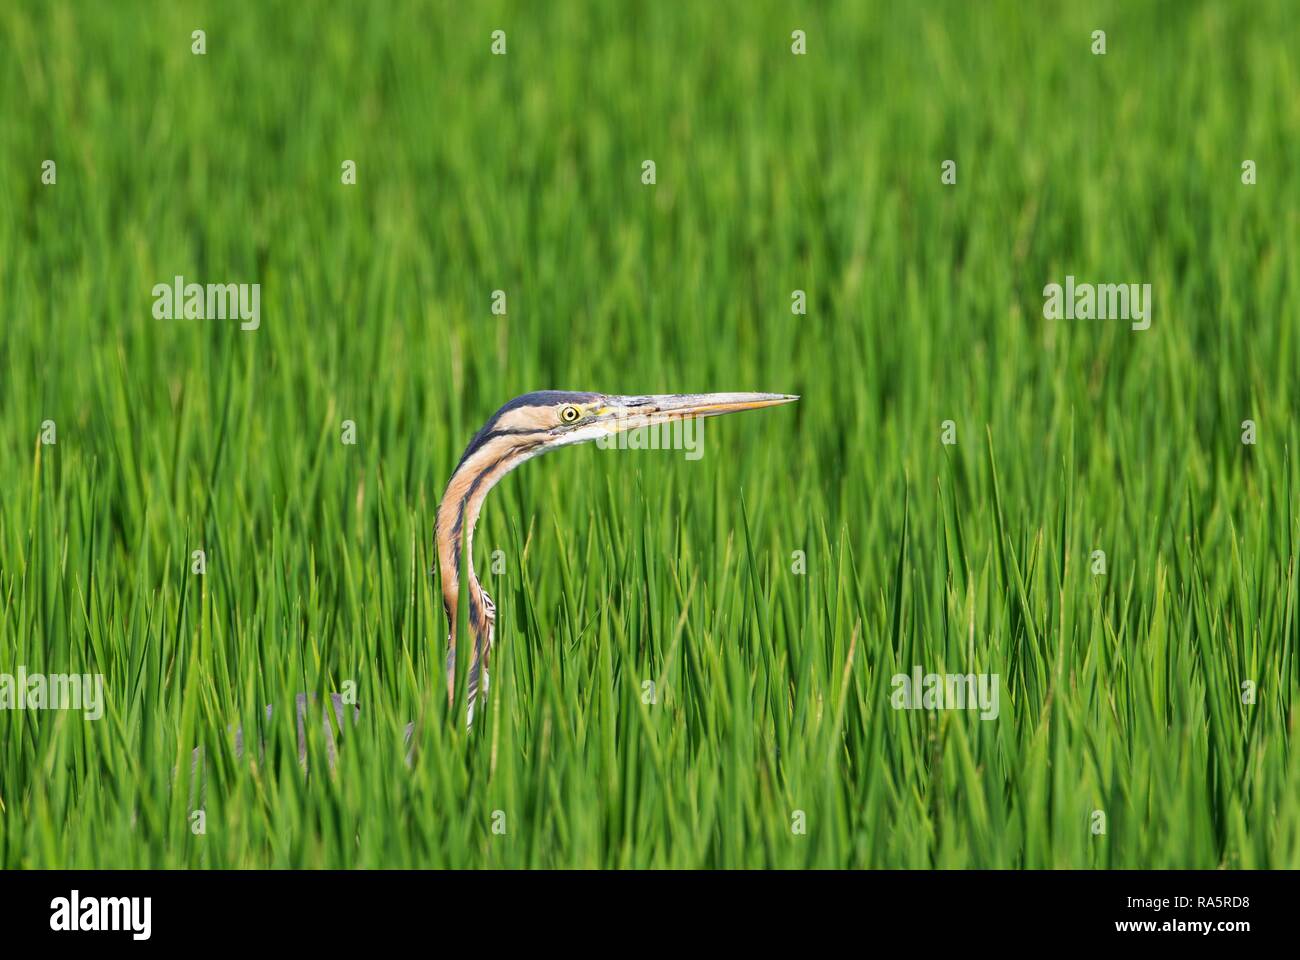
[[628, 413]]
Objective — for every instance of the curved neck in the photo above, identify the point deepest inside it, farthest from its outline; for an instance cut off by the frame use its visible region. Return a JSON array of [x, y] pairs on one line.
[[491, 455], [458, 513]]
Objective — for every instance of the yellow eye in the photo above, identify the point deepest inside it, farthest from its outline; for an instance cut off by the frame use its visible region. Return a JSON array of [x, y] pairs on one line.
[[570, 415]]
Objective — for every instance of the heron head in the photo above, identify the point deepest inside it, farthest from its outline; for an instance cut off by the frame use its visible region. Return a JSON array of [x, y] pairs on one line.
[[536, 422], [581, 421]]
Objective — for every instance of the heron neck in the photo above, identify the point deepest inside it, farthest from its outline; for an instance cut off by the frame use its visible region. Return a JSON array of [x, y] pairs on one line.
[[456, 542], [457, 516]]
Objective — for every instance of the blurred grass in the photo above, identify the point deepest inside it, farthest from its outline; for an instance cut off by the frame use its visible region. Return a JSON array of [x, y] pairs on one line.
[[775, 173]]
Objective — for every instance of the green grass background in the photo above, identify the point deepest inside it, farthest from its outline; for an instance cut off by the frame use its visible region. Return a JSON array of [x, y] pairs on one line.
[[775, 173]]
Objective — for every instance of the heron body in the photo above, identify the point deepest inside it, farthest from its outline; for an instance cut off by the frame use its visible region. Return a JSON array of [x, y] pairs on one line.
[[526, 427]]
